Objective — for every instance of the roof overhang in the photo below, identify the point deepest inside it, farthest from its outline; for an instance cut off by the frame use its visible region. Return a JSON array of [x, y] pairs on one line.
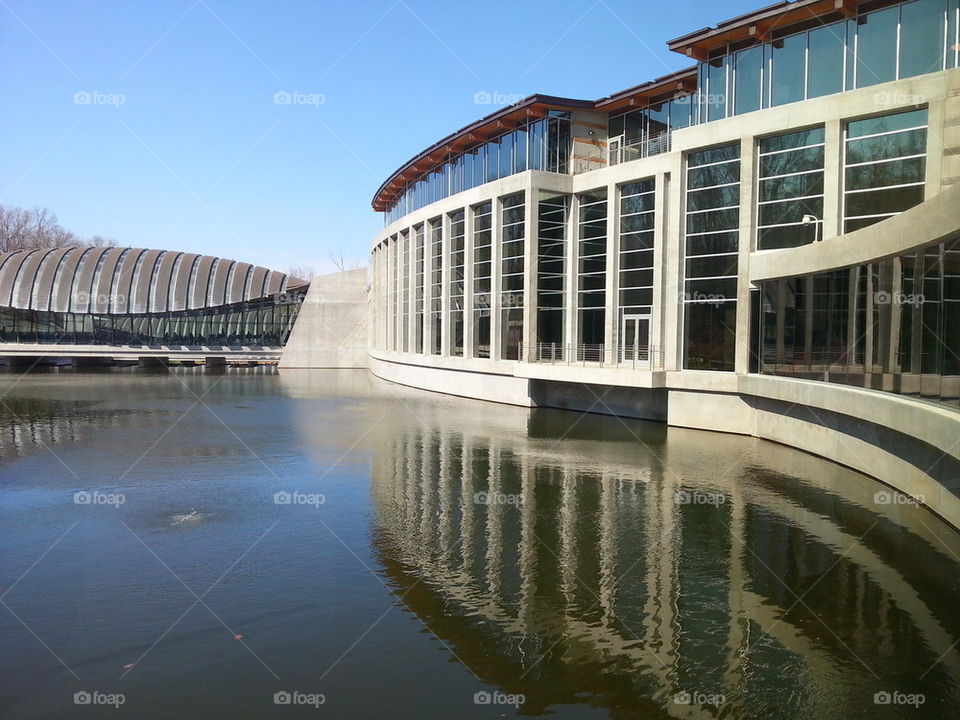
[[497, 123], [758, 25]]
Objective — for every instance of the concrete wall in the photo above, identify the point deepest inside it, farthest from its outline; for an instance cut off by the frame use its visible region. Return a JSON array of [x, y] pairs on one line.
[[331, 329]]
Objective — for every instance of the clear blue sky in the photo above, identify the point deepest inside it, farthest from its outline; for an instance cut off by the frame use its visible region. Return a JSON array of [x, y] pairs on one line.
[[199, 156]]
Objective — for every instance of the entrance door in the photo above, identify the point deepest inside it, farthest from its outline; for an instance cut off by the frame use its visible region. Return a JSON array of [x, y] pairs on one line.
[[635, 346], [616, 150]]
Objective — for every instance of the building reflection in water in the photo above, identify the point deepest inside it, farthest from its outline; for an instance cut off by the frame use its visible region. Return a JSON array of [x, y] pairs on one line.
[[592, 562]]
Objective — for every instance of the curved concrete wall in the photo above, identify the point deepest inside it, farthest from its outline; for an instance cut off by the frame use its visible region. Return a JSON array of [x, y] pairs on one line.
[[128, 280]]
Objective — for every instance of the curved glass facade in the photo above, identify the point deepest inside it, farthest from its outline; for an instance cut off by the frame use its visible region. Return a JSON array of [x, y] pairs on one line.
[[540, 145], [257, 323]]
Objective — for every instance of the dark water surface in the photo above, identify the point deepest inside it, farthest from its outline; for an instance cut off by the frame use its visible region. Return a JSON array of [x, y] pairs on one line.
[[587, 566]]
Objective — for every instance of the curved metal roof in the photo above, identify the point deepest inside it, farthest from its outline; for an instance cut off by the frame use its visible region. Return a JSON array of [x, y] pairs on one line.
[[129, 280]]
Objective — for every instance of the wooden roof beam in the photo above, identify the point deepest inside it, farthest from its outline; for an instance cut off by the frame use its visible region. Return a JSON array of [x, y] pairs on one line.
[[697, 53], [848, 8]]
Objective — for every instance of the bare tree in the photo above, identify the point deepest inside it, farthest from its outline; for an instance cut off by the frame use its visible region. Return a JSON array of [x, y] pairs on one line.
[[22, 229], [302, 272], [338, 260]]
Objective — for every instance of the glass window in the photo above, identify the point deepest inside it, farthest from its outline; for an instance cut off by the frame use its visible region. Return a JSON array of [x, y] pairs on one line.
[[511, 272], [482, 302], [457, 261], [637, 205], [825, 71], [789, 58], [551, 229], [877, 47], [749, 71], [592, 266], [921, 37], [716, 98], [884, 167], [711, 264]]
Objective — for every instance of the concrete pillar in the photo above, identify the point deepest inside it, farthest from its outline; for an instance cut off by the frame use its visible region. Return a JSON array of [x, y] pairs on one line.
[[215, 361], [833, 162], [671, 261], [660, 240], [570, 286], [153, 361]]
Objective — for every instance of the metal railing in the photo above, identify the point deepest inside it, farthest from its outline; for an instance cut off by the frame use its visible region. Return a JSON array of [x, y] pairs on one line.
[[586, 355], [640, 149]]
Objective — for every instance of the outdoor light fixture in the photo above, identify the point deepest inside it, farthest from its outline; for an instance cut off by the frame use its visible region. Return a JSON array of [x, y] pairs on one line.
[[807, 220]]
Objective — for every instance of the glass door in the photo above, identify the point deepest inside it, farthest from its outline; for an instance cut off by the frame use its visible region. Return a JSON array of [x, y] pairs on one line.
[[616, 150], [635, 339]]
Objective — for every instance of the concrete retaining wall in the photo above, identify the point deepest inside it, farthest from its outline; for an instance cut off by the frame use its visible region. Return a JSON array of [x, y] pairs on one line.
[[331, 329]]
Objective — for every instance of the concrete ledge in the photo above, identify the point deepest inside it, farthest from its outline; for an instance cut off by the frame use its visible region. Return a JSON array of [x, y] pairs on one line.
[[478, 386], [930, 423], [933, 221]]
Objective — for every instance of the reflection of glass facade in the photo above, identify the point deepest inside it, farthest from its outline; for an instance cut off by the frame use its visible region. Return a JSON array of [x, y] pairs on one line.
[[540, 145], [711, 258], [891, 325], [635, 565], [264, 322], [885, 162]]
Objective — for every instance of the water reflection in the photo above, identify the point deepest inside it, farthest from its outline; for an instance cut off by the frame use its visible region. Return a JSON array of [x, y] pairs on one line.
[[569, 562]]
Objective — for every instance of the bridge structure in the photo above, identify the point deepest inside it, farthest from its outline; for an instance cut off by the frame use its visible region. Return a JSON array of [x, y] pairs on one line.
[[27, 354]]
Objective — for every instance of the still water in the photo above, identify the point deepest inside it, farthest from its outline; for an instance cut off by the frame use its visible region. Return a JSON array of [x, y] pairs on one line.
[[321, 544]]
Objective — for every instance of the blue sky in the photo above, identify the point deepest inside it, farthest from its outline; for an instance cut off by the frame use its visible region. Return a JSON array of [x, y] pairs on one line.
[[154, 123]]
